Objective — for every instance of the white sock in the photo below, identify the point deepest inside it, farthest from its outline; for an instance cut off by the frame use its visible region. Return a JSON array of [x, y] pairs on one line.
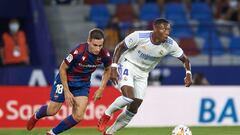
[[119, 103], [122, 121]]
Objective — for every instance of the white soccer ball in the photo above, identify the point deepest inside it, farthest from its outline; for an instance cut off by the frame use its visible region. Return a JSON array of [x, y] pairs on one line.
[[181, 130]]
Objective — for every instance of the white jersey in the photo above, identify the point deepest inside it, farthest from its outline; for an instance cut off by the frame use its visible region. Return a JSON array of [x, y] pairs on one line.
[[146, 55]]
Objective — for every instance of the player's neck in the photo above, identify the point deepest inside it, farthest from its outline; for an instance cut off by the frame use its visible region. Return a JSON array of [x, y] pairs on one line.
[[89, 49], [155, 40]]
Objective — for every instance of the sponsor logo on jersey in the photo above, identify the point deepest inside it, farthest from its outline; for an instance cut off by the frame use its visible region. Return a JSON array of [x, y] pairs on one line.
[[146, 56], [89, 66]]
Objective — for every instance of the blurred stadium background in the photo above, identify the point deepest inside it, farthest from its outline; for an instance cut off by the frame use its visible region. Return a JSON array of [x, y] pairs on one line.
[[207, 30]]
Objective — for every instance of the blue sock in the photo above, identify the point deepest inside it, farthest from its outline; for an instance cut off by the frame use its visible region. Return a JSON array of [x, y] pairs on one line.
[[42, 112], [65, 124]]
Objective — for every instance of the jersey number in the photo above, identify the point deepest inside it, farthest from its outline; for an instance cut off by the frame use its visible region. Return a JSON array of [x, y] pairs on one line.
[[125, 72], [59, 89]]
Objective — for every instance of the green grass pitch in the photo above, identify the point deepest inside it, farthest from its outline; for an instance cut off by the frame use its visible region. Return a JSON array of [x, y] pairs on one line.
[[227, 130]]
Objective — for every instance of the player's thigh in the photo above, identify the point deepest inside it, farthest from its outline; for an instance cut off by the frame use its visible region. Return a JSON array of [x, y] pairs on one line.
[[57, 93], [140, 87], [53, 107], [125, 72], [80, 106]]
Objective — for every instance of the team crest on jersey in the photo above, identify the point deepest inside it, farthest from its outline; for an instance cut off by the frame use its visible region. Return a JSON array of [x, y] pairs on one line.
[[75, 52], [161, 52], [69, 58], [125, 78], [83, 58]]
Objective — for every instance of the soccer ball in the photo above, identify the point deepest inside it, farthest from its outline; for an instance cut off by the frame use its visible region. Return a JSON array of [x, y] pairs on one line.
[[181, 130]]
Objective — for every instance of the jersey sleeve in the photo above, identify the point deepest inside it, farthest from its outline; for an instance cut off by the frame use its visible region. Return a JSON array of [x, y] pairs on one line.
[[73, 55], [132, 39], [107, 59], [176, 51]]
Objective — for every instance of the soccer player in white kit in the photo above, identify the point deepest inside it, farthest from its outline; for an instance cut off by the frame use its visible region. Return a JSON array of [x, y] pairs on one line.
[[133, 59]]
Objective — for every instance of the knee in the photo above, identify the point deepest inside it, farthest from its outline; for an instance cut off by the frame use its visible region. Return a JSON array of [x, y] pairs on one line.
[[53, 108], [77, 117], [133, 107]]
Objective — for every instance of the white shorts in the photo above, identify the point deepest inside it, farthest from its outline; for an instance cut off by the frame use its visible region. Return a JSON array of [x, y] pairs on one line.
[[131, 75]]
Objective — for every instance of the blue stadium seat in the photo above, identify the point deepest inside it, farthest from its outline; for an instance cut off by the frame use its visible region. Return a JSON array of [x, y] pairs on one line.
[[234, 46], [149, 12], [205, 29], [181, 28], [201, 12], [100, 15], [212, 45], [174, 10], [124, 27], [119, 1]]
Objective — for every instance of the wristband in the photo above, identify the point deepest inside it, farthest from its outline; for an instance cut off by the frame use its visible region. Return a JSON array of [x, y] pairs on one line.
[[188, 72], [115, 65]]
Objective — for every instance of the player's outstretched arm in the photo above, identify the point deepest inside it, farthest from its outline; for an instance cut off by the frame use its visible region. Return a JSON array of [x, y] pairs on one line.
[[69, 98], [105, 78], [119, 50], [187, 65]]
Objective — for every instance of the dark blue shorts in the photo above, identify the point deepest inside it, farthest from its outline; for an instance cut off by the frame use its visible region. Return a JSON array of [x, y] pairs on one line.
[[57, 92]]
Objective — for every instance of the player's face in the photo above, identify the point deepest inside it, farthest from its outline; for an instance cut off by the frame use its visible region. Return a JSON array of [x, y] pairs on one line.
[[162, 31], [95, 45]]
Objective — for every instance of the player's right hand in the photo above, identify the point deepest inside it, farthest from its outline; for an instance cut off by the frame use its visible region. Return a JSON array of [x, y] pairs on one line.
[[114, 75], [69, 98]]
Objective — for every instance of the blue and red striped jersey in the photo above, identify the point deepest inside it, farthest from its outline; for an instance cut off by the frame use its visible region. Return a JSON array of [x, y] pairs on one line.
[[82, 63]]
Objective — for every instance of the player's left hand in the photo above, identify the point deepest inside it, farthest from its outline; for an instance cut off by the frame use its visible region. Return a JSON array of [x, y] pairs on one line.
[[188, 80], [98, 95]]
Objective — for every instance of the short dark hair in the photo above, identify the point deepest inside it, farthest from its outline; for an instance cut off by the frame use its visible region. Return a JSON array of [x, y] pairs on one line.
[[160, 21], [96, 33]]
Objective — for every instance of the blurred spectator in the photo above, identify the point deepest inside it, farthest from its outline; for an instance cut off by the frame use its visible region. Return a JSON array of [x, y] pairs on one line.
[[112, 34], [227, 10], [223, 9], [63, 1], [126, 13], [92, 2], [200, 79], [1, 55], [235, 14], [159, 2], [14, 49], [155, 78]]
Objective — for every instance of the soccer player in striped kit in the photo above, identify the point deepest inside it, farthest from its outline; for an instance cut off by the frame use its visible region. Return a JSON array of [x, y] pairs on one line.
[[73, 82]]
